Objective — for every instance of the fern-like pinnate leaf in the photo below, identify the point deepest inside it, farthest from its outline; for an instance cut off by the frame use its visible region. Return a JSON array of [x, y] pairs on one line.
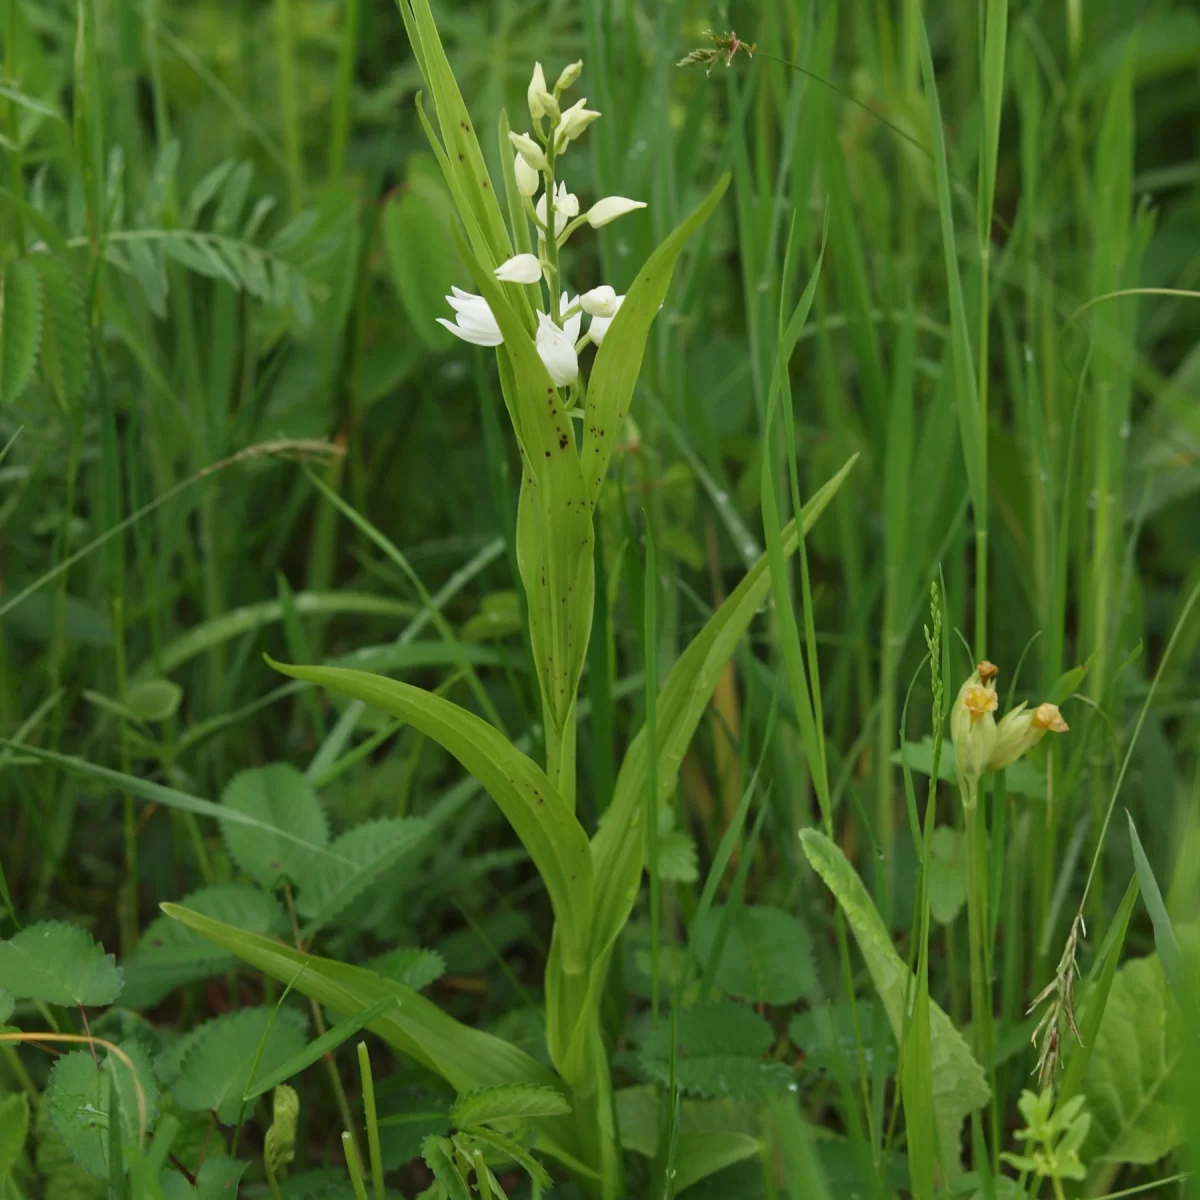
[[64, 328], [278, 795], [767, 955], [1137, 1061], [959, 1085], [718, 1053], [368, 851], [20, 327], [169, 954], [438, 1153], [58, 963], [508, 1104], [216, 1072]]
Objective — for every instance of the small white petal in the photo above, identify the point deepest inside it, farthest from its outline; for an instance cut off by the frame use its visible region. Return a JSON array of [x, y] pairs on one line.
[[557, 351], [528, 180], [610, 208], [475, 321], [600, 301], [529, 150], [598, 329], [574, 121], [521, 268]]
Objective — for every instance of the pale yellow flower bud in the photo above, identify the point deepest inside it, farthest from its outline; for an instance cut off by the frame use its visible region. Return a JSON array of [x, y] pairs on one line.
[[973, 727], [541, 102], [570, 76]]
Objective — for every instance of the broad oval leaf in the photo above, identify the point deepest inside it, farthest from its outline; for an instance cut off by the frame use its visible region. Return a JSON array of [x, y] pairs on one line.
[[959, 1086], [767, 955]]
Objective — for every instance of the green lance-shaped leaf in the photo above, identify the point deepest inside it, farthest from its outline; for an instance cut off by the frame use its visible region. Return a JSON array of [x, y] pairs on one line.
[[619, 845], [619, 359], [959, 1086], [458, 150], [554, 838], [467, 1058], [554, 519]]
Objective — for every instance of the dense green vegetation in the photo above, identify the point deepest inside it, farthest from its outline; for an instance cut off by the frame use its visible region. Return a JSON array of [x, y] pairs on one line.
[[438, 770]]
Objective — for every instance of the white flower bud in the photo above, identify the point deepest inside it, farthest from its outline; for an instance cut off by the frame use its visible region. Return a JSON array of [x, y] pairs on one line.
[[528, 180], [569, 77], [529, 150], [541, 102], [600, 301], [1020, 730], [598, 328], [610, 208], [521, 268]]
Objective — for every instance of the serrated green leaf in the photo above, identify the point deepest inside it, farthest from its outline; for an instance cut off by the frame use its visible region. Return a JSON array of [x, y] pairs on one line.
[[827, 1032], [767, 957], [64, 332], [14, 1128], [947, 873], [330, 1040], [412, 967], [216, 1070], [1137, 1061], [58, 964], [278, 795], [138, 1098], [959, 1086], [153, 699], [718, 1053], [369, 849], [677, 861], [62, 1177], [169, 954], [508, 1103], [438, 1153], [20, 327], [77, 1096]]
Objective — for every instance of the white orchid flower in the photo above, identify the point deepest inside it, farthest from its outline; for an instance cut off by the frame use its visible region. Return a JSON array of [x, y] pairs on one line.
[[541, 102], [610, 208], [528, 180], [574, 121], [529, 150], [598, 328], [474, 321], [601, 301], [556, 346], [566, 206], [521, 268]]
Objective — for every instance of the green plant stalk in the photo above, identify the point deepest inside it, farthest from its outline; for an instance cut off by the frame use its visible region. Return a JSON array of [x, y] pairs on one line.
[[285, 48], [353, 1165], [129, 909], [347, 52], [650, 667], [371, 1119]]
